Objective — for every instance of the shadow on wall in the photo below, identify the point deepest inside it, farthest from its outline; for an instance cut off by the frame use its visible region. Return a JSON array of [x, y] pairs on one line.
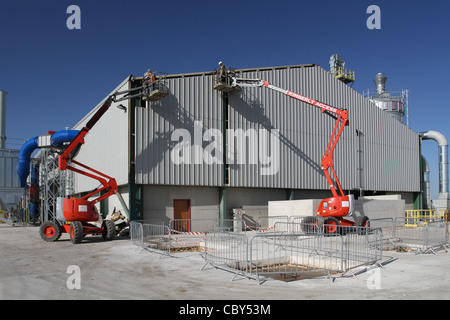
[[250, 107]]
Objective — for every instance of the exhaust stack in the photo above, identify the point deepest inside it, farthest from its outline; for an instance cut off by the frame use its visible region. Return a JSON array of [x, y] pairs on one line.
[[380, 82], [443, 200], [3, 119]]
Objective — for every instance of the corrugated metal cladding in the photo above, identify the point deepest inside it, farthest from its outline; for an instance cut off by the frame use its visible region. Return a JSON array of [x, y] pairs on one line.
[[384, 157], [106, 145], [191, 99], [9, 161]]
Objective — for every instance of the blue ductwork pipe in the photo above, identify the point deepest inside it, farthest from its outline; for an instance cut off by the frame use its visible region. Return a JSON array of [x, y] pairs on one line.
[[57, 139], [60, 137], [24, 160]]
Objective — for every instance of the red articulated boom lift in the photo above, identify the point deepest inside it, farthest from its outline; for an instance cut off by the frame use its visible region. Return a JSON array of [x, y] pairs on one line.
[[73, 215], [334, 209]]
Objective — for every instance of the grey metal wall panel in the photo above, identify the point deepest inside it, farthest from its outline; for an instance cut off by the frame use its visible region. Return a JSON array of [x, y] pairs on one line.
[[9, 161], [190, 99], [388, 161]]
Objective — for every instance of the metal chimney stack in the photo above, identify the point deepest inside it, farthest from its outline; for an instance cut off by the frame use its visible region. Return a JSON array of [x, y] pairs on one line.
[[3, 119], [380, 82]]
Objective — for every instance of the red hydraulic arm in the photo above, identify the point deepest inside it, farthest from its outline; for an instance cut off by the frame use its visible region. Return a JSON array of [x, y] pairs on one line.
[[342, 121], [339, 205], [109, 185], [66, 158], [76, 143]]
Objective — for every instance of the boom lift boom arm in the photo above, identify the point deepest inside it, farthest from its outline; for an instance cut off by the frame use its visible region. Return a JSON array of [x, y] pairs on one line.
[[340, 205], [65, 160], [108, 184]]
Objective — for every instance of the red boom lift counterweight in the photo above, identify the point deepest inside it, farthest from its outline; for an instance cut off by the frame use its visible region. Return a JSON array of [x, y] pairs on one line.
[[333, 209]]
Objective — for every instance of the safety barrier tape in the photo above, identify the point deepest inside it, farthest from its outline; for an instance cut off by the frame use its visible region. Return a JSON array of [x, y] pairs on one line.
[[268, 229], [186, 243], [259, 230], [187, 233]]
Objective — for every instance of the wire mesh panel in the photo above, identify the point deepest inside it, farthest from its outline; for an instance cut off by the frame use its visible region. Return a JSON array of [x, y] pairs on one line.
[[178, 226], [292, 256], [401, 234], [227, 250], [189, 234], [231, 225], [156, 236], [267, 224], [362, 246], [436, 236], [136, 233], [286, 256]]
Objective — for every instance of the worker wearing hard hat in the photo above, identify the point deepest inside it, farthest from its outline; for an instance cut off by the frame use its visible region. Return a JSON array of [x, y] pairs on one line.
[[222, 71], [149, 79]]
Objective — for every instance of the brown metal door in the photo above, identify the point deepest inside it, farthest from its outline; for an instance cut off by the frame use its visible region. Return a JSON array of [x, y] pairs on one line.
[[182, 215]]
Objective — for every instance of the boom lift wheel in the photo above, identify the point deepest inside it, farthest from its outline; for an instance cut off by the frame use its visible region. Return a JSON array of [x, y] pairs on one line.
[[109, 230], [76, 232], [331, 226], [50, 231], [363, 224], [362, 221], [310, 225]]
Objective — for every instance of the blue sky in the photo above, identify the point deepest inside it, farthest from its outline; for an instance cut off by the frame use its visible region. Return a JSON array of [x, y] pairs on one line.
[[54, 75]]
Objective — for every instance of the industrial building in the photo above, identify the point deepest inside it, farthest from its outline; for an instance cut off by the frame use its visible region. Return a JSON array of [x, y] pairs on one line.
[[207, 147], [10, 190], [201, 152]]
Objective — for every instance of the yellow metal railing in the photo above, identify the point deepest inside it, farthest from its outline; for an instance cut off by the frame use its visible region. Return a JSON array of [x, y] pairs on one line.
[[340, 72], [416, 218]]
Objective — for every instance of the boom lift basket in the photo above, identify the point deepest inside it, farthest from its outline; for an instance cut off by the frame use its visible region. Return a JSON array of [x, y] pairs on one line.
[[223, 80]]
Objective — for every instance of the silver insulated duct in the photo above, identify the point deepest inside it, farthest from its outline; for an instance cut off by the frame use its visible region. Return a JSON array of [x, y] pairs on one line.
[[3, 119], [380, 82], [443, 160], [426, 196]]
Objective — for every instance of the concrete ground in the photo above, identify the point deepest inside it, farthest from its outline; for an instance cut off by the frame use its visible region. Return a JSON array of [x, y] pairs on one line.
[[33, 269]]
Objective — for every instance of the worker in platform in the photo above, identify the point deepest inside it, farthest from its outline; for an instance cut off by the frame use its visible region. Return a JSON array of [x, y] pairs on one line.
[[222, 72], [150, 80]]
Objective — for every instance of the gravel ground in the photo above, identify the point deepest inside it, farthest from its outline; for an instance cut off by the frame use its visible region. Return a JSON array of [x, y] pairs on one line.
[[33, 269]]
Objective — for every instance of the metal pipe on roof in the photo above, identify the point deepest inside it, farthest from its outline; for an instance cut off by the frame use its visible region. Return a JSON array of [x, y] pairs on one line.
[[380, 82], [443, 157], [426, 196]]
